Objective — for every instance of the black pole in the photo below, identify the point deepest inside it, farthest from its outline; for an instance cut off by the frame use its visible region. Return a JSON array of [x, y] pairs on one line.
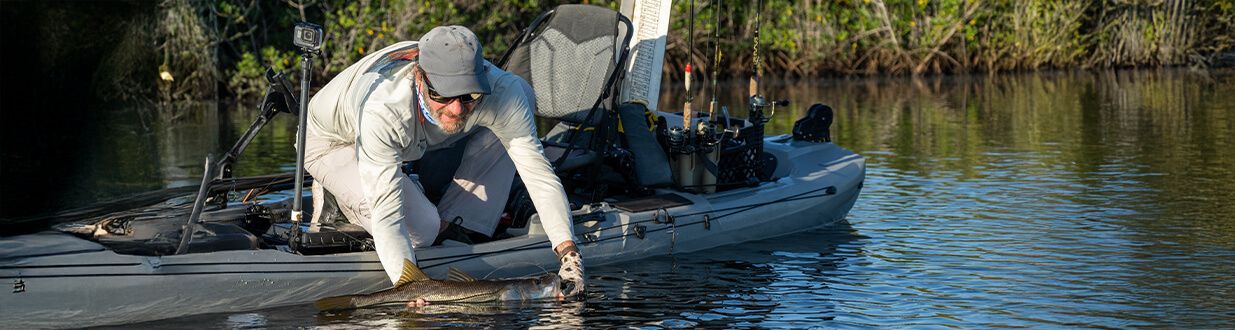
[[190, 226], [306, 62]]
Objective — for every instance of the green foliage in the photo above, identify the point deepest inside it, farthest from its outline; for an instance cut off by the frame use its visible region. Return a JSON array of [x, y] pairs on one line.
[[255, 35], [188, 68], [796, 38], [249, 77]]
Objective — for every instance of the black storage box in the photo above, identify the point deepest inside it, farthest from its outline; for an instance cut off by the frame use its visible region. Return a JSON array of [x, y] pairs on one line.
[[742, 160], [336, 238]]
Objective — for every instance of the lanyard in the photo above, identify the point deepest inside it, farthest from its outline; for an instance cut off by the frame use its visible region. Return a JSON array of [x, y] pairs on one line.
[[425, 115]]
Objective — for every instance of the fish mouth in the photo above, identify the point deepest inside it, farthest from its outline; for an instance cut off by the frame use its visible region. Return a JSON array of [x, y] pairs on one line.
[[556, 288], [547, 286]]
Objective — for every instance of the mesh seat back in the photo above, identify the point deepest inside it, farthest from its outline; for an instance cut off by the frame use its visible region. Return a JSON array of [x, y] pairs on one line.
[[568, 61]]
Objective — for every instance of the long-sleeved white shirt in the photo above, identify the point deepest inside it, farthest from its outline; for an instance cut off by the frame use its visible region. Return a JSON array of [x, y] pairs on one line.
[[371, 105]]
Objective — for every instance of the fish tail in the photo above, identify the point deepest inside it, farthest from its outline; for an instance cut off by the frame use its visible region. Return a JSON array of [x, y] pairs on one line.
[[335, 303]]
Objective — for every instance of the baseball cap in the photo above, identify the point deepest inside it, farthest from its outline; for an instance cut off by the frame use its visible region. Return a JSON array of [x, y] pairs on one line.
[[451, 58]]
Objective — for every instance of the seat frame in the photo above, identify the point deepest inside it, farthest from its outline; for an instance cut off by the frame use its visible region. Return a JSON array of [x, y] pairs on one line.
[[603, 127]]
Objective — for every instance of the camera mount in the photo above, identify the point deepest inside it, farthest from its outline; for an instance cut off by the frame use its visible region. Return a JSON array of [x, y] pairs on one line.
[[308, 37]]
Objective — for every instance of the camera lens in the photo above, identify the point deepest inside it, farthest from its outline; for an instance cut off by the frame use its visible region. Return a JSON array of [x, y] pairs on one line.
[[307, 36]]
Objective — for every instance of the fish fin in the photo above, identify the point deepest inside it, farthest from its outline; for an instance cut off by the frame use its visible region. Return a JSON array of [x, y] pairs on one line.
[[460, 276], [335, 303], [411, 273]]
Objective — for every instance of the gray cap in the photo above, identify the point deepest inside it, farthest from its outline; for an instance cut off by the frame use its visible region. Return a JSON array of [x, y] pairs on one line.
[[451, 57]]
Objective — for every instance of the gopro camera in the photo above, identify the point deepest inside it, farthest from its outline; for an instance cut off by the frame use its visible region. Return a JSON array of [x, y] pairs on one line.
[[308, 37]]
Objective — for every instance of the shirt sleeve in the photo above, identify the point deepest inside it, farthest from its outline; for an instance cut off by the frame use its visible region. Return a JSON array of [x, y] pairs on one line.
[[380, 140], [515, 126]]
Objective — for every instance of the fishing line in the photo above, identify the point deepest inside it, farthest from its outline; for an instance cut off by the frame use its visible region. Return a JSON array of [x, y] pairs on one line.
[[541, 244], [542, 269], [743, 208], [789, 199], [470, 256]]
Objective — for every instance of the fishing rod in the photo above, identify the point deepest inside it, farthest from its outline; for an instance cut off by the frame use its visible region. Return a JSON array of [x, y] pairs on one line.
[[681, 140], [754, 80], [690, 59], [757, 101], [709, 141], [715, 62], [729, 128]]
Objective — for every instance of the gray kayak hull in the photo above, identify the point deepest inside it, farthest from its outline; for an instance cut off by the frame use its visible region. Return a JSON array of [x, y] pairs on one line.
[[60, 280]]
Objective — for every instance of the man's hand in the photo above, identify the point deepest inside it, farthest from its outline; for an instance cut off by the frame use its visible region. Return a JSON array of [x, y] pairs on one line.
[[571, 271]]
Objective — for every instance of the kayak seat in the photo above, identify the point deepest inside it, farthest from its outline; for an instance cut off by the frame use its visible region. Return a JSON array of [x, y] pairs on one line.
[[572, 57], [578, 157]]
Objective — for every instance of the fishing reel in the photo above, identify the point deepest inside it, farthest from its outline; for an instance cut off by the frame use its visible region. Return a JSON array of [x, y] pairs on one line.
[[731, 131], [709, 136], [677, 141], [759, 105]]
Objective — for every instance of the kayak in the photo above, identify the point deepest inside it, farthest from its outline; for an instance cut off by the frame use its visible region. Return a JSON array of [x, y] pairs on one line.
[[61, 279]]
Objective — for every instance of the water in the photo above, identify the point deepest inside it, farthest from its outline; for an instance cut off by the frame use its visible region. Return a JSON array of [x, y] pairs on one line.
[[1092, 200]]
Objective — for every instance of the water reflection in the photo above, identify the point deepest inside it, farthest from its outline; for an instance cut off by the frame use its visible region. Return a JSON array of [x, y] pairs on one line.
[[1075, 198], [150, 152]]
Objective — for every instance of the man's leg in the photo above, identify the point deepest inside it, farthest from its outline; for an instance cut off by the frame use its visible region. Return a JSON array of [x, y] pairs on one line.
[[319, 201], [481, 185], [336, 170]]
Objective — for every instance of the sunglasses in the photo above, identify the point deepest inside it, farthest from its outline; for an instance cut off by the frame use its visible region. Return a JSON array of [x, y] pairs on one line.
[[463, 99]]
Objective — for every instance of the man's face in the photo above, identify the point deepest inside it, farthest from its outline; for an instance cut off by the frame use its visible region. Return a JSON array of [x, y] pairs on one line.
[[450, 115]]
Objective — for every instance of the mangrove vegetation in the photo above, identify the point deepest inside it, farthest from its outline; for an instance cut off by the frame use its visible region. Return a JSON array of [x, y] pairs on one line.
[[200, 49]]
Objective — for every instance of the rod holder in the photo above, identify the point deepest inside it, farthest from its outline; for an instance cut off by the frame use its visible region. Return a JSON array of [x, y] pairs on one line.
[[683, 157], [709, 148]]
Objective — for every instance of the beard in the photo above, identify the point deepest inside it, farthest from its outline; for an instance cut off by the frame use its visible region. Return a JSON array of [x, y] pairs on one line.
[[453, 128]]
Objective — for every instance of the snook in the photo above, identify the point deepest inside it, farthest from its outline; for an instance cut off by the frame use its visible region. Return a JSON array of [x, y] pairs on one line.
[[459, 288]]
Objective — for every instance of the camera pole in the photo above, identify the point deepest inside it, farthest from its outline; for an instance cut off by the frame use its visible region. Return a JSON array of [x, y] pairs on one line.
[[306, 65], [306, 61]]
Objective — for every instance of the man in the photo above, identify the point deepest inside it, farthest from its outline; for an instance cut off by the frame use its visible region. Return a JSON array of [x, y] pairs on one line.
[[398, 103]]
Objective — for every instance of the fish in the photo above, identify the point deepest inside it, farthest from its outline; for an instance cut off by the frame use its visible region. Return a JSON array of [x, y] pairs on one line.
[[460, 287]]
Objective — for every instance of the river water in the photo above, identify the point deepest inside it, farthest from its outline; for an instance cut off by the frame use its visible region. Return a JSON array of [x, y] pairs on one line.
[[1076, 199]]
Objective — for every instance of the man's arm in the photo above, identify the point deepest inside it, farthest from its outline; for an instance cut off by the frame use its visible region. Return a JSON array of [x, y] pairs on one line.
[[544, 188], [550, 199], [380, 141], [515, 126]]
